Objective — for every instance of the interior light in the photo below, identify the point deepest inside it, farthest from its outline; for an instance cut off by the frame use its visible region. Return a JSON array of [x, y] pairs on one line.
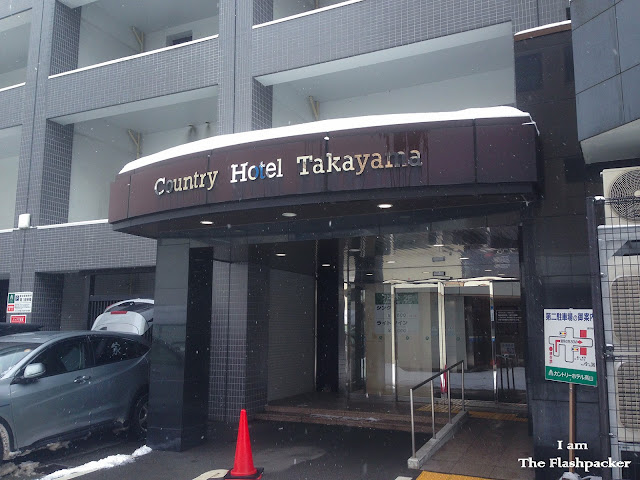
[[289, 214], [464, 258], [391, 261], [385, 205], [354, 250], [281, 254], [326, 264], [369, 274], [488, 270], [206, 222], [439, 245]]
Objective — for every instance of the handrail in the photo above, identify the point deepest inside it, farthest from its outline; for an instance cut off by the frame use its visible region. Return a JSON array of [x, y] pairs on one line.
[[433, 410]]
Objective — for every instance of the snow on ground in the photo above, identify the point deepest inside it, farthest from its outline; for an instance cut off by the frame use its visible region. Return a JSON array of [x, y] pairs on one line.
[[108, 462], [24, 468]]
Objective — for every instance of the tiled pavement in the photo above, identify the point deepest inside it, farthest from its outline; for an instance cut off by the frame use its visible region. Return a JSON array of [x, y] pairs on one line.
[[486, 448]]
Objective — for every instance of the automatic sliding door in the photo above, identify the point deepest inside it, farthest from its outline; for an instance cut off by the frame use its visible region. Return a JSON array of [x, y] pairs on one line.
[[418, 311]]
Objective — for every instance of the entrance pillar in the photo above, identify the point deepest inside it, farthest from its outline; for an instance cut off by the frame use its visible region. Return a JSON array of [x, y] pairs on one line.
[[179, 384]]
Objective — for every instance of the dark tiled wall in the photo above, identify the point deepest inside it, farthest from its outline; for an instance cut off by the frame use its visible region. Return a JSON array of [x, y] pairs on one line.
[[525, 14], [340, 32], [47, 300], [262, 11], [257, 337], [187, 67], [11, 105], [31, 159], [219, 334], [226, 64], [551, 11], [243, 81], [88, 247], [261, 106], [229, 341], [73, 315], [556, 266], [56, 174], [66, 35], [5, 253]]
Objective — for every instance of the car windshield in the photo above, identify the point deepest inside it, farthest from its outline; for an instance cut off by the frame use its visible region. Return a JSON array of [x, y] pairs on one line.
[[12, 352]]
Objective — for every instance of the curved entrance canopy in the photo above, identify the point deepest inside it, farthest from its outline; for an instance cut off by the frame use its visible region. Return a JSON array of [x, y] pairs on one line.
[[416, 162]]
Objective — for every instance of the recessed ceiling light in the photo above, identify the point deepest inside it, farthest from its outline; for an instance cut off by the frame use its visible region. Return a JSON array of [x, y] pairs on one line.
[[391, 261], [281, 254], [206, 222], [369, 274], [464, 258], [488, 270], [326, 264], [289, 214], [385, 205], [439, 245]]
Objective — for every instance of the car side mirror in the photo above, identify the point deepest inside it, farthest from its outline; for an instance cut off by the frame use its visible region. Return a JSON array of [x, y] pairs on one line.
[[34, 370]]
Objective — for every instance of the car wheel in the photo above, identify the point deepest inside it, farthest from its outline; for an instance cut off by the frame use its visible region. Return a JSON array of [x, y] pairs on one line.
[[5, 444], [139, 415]]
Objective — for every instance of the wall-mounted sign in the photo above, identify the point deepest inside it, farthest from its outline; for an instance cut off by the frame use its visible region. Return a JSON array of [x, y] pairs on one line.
[[19, 302], [350, 161], [570, 354], [18, 319]]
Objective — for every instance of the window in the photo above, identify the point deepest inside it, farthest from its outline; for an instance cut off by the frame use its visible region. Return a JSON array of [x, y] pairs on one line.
[[64, 357], [114, 349]]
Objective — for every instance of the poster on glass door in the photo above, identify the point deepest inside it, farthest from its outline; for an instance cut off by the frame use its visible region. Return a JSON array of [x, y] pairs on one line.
[[407, 314]]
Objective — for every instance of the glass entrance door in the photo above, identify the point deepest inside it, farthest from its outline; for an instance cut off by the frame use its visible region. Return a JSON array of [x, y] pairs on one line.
[[403, 324], [419, 321]]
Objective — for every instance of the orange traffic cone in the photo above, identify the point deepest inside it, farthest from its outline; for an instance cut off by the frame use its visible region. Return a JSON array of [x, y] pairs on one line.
[[243, 465]]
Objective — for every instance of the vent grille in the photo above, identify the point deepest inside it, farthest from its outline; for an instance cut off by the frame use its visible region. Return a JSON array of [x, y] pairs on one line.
[[628, 380], [624, 192], [625, 308]]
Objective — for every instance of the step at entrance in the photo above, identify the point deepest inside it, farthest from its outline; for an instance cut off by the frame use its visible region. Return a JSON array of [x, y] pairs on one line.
[[351, 418]]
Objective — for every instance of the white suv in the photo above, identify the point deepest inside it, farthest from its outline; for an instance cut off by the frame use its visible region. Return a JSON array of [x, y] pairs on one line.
[[133, 316]]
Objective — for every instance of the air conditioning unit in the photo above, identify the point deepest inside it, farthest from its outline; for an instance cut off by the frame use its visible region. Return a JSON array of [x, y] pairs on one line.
[[622, 191], [626, 424], [619, 249]]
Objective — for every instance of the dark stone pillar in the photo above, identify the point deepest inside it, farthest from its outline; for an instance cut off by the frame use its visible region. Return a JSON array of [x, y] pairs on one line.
[[328, 315], [178, 391]]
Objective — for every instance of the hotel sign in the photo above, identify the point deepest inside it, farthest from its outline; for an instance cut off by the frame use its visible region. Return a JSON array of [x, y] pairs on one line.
[[464, 152], [307, 165]]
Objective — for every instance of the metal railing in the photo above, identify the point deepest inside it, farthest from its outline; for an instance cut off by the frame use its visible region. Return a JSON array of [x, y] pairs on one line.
[[433, 408]]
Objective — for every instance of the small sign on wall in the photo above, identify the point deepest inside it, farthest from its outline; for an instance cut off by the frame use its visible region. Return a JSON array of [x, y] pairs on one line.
[[570, 354], [19, 302], [18, 319]]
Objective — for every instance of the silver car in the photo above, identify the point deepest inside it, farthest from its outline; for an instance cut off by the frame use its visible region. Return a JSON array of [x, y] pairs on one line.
[[60, 385]]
